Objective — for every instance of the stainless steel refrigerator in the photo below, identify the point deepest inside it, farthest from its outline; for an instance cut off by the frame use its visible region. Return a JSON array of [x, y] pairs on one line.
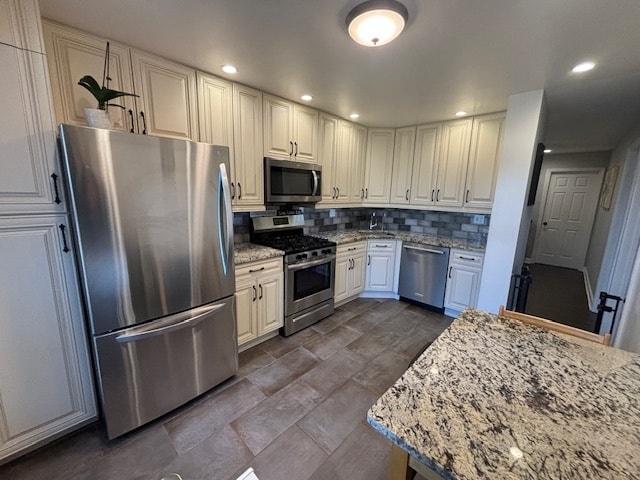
[[153, 233]]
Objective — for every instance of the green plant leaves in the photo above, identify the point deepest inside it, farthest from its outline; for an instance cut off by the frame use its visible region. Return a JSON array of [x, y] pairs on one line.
[[102, 94]]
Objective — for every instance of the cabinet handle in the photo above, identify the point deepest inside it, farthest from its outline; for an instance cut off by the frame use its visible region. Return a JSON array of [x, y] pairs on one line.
[[338, 189], [256, 270], [450, 268], [368, 259], [144, 123], [382, 246], [362, 195], [296, 144], [334, 193], [366, 193], [54, 177], [233, 191], [239, 191], [466, 198], [65, 248], [438, 195], [260, 287], [467, 258], [352, 249], [406, 197], [290, 148], [432, 192], [255, 293], [133, 123]]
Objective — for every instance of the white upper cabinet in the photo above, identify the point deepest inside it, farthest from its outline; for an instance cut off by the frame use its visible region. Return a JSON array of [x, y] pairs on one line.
[[402, 165], [166, 103], [380, 144], [248, 170], [215, 110], [327, 155], [425, 165], [452, 165], [29, 182], [290, 130], [358, 152], [20, 25], [484, 157]]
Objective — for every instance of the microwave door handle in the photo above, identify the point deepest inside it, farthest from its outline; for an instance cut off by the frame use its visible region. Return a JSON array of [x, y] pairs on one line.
[[225, 218], [315, 182]]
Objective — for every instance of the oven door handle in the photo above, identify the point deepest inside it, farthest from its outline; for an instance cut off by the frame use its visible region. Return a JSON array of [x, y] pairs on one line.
[[301, 266]]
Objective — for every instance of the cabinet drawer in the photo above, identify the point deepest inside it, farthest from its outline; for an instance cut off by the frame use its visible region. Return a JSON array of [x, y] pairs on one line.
[[381, 246], [259, 267], [462, 257], [351, 249]]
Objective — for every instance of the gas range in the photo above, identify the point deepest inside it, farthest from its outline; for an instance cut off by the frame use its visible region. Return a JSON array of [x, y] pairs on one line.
[[309, 268]]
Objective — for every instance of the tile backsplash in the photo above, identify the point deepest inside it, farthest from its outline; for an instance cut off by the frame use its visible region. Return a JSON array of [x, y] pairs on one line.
[[448, 224]]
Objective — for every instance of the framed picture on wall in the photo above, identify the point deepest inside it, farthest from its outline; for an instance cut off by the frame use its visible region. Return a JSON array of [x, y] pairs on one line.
[[609, 186]]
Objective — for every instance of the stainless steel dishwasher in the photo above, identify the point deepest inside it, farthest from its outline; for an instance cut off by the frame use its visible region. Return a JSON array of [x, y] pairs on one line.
[[423, 273]]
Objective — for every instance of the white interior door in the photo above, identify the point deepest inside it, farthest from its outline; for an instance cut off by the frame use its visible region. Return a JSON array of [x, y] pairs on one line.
[[567, 217]]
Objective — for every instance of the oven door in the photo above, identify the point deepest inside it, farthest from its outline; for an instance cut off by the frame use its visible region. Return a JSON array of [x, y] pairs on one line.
[[308, 283]]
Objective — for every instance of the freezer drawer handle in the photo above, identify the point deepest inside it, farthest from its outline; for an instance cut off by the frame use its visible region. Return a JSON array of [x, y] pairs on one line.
[[140, 333], [55, 188], [428, 250]]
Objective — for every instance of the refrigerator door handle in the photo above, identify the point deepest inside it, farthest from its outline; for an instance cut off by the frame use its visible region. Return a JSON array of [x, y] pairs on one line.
[[225, 218], [175, 322]]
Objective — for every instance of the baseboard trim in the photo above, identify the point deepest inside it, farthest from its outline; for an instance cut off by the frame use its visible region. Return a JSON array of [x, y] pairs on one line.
[[587, 287]]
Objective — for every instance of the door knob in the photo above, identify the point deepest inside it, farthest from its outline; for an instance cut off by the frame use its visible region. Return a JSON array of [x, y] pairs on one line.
[[544, 223]]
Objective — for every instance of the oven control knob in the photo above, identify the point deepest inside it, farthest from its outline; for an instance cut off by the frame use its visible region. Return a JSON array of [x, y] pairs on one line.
[[314, 254], [327, 250], [302, 256]]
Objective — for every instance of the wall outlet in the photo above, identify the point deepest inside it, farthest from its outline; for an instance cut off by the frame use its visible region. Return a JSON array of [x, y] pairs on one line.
[[478, 219], [332, 212]]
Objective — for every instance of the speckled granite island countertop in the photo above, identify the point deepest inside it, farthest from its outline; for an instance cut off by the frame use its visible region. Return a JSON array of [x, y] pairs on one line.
[[250, 252], [492, 398], [349, 236]]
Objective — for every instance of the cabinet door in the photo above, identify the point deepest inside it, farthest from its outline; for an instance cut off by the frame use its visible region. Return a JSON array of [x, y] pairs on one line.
[[167, 105], [452, 164], [484, 155], [343, 272], [248, 170], [403, 165], [425, 165], [358, 151], [358, 273], [27, 139], [344, 162], [71, 55], [305, 134], [45, 380], [20, 25], [380, 269], [246, 308], [270, 302], [277, 128], [215, 111], [379, 164], [462, 288], [327, 151]]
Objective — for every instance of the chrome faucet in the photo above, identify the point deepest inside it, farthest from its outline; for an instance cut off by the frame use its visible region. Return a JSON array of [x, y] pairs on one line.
[[373, 222]]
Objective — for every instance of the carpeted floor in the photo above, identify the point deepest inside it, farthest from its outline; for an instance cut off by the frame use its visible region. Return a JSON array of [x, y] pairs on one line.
[[559, 294]]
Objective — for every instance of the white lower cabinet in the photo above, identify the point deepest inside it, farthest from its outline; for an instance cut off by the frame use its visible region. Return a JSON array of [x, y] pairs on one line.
[[382, 267], [350, 271], [259, 299], [46, 386], [463, 280]]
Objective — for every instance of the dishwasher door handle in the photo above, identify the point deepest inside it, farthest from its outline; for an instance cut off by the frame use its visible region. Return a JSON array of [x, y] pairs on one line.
[[428, 250]]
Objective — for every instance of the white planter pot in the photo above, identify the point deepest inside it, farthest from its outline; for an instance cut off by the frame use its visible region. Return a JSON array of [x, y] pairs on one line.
[[97, 118]]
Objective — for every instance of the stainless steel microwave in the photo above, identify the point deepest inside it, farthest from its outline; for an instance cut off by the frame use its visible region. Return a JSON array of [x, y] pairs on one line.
[[288, 182]]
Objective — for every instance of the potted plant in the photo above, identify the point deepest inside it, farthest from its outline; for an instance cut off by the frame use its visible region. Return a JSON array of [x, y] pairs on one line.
[[98, 117]]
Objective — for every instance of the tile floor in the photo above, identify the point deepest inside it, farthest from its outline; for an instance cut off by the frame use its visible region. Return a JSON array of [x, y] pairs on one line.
[[295, 411]]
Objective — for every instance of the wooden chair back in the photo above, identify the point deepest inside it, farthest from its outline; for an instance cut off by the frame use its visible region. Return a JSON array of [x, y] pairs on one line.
[[557, 327]]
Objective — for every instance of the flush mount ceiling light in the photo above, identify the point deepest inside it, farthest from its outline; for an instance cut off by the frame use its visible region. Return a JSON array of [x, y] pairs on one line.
[[229, 68], [583, 67], [306, 97], [354, 116], [376, 22]]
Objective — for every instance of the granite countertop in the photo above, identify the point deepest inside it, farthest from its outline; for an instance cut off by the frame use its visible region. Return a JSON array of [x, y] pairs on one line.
[[250, 252], [495, 398], [349, 236]]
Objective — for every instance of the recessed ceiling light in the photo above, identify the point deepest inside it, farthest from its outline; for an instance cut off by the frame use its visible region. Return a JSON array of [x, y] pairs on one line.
[[306, 97], [583, 67], [354, 116], [547, 150], [460, 113], [229, 69], [376, 22]]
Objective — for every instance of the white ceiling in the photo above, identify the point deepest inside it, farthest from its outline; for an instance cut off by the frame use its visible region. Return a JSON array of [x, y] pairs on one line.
[[454, 55]]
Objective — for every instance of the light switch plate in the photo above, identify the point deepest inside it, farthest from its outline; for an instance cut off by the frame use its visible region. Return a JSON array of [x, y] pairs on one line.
[[478, 219], [332, 212]]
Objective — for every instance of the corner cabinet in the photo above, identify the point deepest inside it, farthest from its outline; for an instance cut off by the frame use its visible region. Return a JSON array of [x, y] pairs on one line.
[[379, 162], [463, 280], [46, 388], [259, 299], [290, 130], [166, 104], [350, 271]]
